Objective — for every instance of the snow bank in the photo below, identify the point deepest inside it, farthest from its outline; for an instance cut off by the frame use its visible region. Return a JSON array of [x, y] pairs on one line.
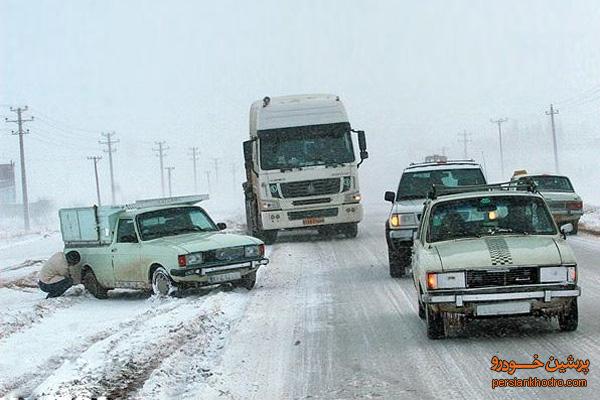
[[591, 219]]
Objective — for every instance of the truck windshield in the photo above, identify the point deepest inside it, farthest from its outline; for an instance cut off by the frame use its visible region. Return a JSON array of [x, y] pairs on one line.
[[174, 221], [303, 146], [490, 215], [416, 185], [548, 183]]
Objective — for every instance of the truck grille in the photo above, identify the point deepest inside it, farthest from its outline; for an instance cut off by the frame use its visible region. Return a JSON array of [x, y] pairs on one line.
[[307, 202], [327, 212], [315, 187], [503, 277]]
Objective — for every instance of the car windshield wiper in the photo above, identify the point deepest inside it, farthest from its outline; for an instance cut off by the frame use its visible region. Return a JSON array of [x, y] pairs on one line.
[[493, 231], [411, 197]]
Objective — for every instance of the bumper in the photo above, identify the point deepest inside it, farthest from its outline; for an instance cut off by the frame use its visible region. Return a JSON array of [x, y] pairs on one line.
[[567, 216], [200, 274], [402, 234], [546, 301], [284, 219]]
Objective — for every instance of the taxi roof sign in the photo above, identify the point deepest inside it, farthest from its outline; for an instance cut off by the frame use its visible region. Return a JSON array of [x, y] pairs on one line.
[[520, 172], [167, 201]]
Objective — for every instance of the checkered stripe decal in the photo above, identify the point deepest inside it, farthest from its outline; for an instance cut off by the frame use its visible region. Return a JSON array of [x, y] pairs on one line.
[[499, 252]]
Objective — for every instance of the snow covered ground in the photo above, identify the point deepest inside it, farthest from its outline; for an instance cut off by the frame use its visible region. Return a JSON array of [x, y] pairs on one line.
[[591, 219], [324, 322]]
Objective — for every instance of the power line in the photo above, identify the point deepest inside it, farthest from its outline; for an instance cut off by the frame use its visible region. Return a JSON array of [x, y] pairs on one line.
[[161, 155], [95, 159], [499, 122], [552, 113], [109, 142], [19, 121], [195, 154]]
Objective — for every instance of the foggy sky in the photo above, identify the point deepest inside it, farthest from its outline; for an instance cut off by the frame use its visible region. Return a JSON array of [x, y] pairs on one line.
[[412, 75]]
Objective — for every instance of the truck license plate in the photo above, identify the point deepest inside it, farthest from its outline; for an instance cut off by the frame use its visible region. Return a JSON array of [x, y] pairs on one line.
[[313, 221], [505, 308], [231, 276]]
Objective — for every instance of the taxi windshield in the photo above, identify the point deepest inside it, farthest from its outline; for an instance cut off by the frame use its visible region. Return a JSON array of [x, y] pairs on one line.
[[174, 221], [490, 215]]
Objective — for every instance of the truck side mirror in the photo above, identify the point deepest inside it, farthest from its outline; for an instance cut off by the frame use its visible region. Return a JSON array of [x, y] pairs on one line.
[[390, 196], [362, 141], [248, 151]]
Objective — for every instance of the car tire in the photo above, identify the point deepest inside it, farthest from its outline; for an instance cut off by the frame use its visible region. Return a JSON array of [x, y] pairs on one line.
[[162, 284], [421, 306], [93, 286], [435, 323], [247, 282], [568, 321], [575, 228], [399, 260]]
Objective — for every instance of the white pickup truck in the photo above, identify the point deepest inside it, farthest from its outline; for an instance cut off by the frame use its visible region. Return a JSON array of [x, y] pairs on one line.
[[163, 245]]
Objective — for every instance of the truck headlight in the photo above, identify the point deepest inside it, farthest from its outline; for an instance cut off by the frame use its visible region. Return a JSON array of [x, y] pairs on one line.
[[399, 220], [346, 183], [352, 198], [270, 205], [558, 274], [274, 189], [446, 280]]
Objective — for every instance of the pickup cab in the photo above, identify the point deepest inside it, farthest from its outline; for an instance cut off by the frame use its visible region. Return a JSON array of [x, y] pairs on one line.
[[490, 252], [162, 245]]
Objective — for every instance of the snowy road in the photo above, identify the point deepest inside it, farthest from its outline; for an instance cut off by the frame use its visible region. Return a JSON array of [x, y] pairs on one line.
[[325, 322]]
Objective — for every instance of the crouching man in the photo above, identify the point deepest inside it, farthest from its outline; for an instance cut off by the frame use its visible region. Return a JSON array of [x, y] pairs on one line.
[[55, 277]]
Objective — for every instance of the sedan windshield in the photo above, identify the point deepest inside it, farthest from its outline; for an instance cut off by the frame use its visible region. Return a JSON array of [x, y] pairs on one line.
[[416, 185], [548, 183], [303, 146], [493, 215], [174, 221]]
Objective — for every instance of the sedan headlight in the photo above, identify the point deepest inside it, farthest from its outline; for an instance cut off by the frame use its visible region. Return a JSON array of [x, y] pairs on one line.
[[400, 220], [558, 274], [251, 251], [446, 280], [190, 259], [269, 205]]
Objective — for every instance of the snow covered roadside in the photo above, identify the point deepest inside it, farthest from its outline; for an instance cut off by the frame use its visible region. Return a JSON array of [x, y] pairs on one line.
[[590, 221]]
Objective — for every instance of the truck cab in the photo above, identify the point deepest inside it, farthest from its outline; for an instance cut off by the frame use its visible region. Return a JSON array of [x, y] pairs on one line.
[[302, 167], [407, 202]]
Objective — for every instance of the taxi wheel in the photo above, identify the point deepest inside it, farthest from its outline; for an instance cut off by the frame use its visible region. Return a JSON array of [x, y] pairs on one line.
[[435, 323], [162, 284], [91, 284], [248, 281], [569, 320], [575, 228], [399, 259]]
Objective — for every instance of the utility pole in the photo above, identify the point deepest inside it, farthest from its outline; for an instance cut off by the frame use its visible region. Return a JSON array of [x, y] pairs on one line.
[[465, 139], [195, 154], [169, 169], [95, 159], [109, 142], [161, 155], [208, 180], [499, 122], [19, 121], [216, 161], [552, 113]]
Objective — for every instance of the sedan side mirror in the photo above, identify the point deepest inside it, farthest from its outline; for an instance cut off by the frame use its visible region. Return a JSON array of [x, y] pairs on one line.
[[566, 229], [222, 226], [390, 196]]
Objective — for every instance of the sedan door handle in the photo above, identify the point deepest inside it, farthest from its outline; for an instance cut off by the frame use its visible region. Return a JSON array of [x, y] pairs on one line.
[[113, 250]]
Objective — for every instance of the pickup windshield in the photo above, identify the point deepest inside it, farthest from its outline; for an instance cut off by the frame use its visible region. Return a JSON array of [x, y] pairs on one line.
[[416, 185], [549, 183], [174, 221], [487, 216], [304, 146]]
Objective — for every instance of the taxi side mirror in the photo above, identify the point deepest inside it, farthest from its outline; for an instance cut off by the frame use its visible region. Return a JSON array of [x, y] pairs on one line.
[[566, 229], [390, 196]]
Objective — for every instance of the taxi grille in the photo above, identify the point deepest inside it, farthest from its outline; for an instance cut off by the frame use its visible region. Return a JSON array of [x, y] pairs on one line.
[[315, 187], [224, 254], [503, 277]]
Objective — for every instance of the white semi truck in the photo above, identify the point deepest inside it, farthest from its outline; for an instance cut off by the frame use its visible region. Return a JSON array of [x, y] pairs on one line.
[[302, 167]]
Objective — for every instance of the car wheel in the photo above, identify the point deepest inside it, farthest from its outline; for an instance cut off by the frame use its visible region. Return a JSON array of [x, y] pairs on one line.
[[435, 323], [248, 281], [575, 228], [91, 284], [399, 260], [421, 307], [162, 284], [569, 319]]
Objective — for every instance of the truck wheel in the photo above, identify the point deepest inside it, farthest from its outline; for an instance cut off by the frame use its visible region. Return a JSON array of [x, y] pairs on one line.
[[575, 227], [248, 281], [569, 320], [350, 231], [399, 260], [91, 284], [435, 323], [269, 237], [162, 284]]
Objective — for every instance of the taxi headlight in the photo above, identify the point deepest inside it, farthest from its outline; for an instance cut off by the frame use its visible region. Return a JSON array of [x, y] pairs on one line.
[[558, 274], [193, 258], [399, 220], [446, 280], [251, 251]]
